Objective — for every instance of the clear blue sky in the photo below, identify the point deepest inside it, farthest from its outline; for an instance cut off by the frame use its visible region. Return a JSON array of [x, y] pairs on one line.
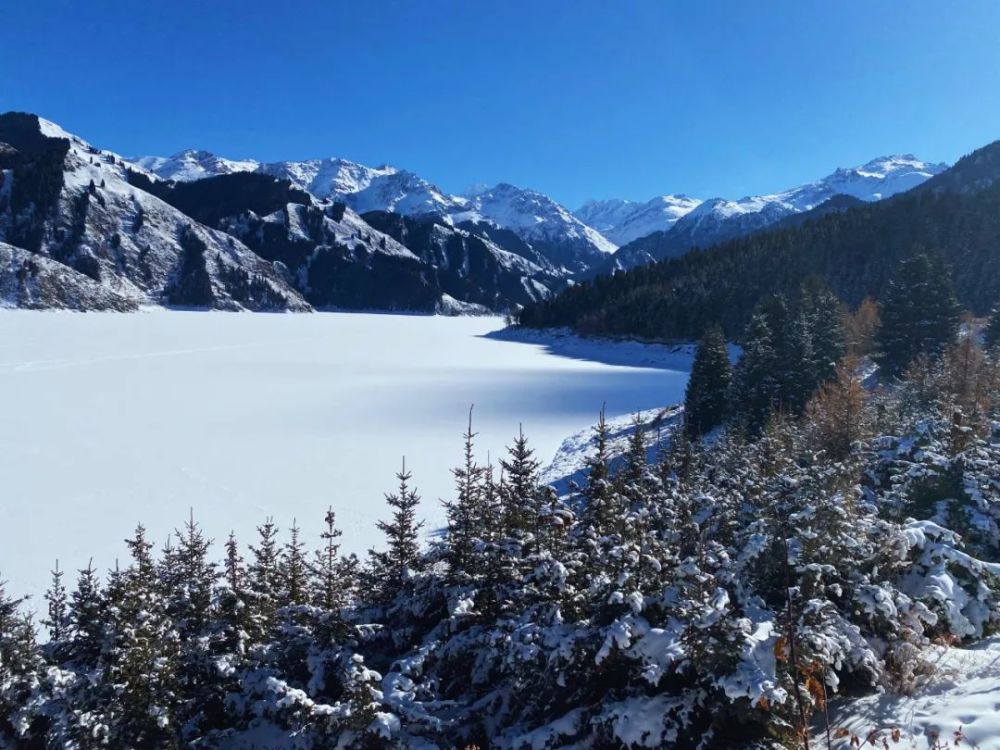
[[577, 98]]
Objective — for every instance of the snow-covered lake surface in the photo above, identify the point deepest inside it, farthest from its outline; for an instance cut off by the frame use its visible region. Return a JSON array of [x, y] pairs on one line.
[[113, 419]]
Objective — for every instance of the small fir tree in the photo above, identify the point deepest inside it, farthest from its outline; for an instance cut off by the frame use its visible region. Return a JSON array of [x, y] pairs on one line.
[[706, 400]]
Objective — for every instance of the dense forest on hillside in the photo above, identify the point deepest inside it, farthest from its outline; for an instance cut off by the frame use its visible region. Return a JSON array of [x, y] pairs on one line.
[[853, 251], [717, 596]]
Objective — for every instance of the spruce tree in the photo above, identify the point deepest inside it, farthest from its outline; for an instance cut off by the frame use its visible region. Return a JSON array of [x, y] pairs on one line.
[[519, 493], [17, 658], [793, 351], [86, 618], [294, 569], [823, 314], [706, 400], [920, 314], [264, 579], [598, 494], [330, 579], [56, 606], [757, 391], [402, 535], [467, 514]]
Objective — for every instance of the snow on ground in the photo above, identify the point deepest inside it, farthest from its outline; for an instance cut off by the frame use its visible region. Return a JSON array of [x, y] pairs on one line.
[[114, 419], [961, 696], [570, 463]]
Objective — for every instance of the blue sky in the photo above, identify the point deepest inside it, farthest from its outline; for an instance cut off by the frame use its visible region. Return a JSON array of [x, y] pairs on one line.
[[576, 98]]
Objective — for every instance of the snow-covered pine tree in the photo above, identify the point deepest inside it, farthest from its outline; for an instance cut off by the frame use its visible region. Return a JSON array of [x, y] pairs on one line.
[[331, 580], [706, 399], [293, 569], [18, 662], [56, 606], [519, 493], [190, 579], [264, 580], [142, 659], [467, 514], [402, 533]]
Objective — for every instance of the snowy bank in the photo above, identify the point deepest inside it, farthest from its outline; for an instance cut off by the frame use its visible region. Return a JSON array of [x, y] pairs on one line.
[[624, 352], [958, 705]]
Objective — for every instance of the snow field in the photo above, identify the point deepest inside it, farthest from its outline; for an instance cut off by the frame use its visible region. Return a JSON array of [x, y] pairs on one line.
[[109, 420]]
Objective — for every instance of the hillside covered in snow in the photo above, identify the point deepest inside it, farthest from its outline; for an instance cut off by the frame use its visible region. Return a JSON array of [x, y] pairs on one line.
[[89, 230]]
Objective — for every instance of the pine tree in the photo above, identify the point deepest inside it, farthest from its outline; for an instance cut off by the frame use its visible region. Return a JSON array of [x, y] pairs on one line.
[[294, 569], [598, 493], [331, 580], [191, 594], [86, 618], [794, 354], [757, 390], [143, 656], [402, 535], [56, 606], [17, 658], [920, 314], [467, 513], [824, 316], [519, 494], [706, 400], [264, 579]]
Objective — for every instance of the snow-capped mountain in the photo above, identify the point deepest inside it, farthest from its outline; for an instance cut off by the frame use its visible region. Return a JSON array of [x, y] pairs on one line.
[[72, 205], [193, 165], [720, 219], [623, 221], [549, 227], [366, 188], [82, 228]]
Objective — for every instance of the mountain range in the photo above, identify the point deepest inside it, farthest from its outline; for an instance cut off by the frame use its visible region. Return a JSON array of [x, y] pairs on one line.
[[83, 227], [853, 246]]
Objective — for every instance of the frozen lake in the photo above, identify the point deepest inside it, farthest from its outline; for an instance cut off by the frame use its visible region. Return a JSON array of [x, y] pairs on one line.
[[111, 419]]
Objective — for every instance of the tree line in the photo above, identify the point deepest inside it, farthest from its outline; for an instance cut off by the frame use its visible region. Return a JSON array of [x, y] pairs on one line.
[[855, 252], [790, 348]]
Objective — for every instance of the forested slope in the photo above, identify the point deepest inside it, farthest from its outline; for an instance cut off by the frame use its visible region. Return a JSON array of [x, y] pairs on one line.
[[854, 251]]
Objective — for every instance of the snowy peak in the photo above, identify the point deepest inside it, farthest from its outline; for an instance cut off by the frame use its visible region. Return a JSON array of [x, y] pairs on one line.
[[701, 223], [622, 221], [532, 215], [192, 164], [720, 219], [327, 178], [875, 180]]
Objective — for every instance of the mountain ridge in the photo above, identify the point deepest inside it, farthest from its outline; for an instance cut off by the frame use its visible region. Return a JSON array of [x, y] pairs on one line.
[[851, 245]]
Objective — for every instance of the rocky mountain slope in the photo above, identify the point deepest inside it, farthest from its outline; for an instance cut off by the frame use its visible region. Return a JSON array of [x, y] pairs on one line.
[[548, 228], [86, 229], [72, 205]]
